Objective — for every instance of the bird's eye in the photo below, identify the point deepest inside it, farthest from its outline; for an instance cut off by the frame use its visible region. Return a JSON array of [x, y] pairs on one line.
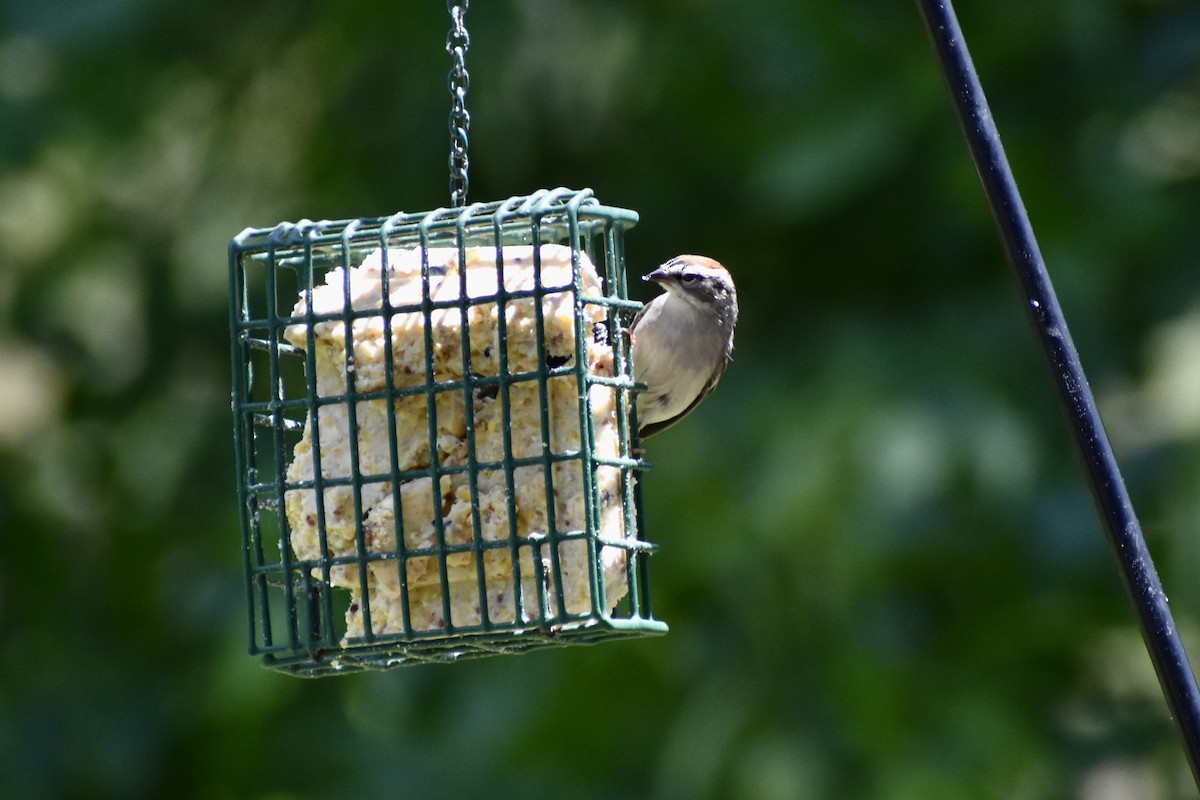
[[689, 278]]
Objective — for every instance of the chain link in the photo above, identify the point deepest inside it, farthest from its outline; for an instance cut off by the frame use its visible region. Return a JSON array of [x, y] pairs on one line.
[[457, 42]]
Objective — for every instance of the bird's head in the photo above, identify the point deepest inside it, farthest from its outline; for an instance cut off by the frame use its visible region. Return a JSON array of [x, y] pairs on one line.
[[701, 281]]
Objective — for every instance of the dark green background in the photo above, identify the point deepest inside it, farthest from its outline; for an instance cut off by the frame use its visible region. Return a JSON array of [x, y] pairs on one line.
[[883, 571]]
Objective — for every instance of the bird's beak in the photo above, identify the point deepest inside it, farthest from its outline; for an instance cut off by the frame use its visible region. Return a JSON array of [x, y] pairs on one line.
[[659, 275]]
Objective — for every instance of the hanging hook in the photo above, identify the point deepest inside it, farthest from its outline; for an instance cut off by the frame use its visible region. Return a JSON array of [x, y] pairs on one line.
[[457, 42]]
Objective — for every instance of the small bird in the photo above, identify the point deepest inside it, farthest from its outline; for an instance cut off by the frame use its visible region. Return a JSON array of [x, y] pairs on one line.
[[682, 339]]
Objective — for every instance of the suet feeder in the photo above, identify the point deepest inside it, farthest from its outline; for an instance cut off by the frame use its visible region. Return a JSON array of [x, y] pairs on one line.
[[435, 429], [435, 434]]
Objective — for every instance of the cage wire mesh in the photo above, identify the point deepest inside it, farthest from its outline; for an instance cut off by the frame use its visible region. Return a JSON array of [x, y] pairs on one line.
[[435, 434]]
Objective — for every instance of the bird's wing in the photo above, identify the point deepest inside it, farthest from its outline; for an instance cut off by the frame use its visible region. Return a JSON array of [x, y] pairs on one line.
[[655, 427], [638, 316]]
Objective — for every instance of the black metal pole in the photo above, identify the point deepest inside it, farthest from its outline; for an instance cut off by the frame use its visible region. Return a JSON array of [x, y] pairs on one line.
[[1141, 579]]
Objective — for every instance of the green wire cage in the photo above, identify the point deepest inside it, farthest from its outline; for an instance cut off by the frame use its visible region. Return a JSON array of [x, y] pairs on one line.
[[435, 434]]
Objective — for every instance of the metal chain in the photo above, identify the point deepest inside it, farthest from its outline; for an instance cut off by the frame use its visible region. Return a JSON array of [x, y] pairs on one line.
[[457, 42]]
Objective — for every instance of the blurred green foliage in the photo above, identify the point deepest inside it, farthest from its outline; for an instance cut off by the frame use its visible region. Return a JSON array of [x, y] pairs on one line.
[[883, 572]]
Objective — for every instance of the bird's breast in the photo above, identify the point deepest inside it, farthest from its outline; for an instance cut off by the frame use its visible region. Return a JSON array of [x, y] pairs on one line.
[[675, 353]]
